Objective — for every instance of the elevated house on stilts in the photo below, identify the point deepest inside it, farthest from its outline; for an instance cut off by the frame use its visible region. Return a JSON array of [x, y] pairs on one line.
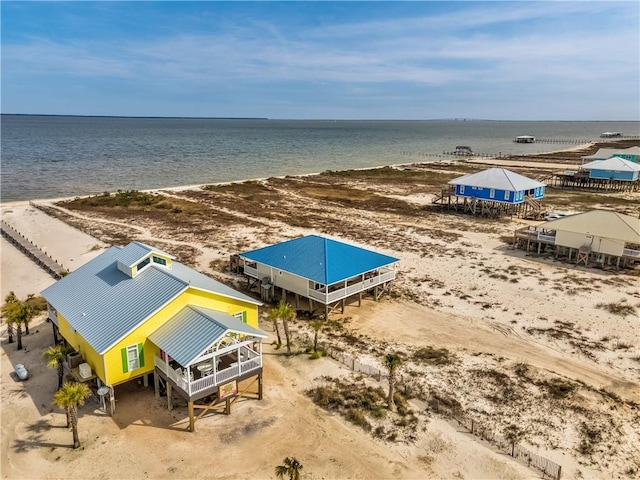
[[597, 237], [493, 193], [324, 274], [135, 313]]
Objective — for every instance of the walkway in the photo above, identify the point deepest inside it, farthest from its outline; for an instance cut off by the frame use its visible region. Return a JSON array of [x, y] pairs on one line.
[[43, 260]]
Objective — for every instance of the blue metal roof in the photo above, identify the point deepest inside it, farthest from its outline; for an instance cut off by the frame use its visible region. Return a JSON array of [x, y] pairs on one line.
[[319, 259], [103, 304], [190, 332]]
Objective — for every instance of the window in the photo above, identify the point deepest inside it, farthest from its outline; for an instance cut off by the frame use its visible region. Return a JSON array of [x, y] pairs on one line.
[[242, 316], [159, 260], [143, 263], [506, 195], [492, 193], [461, 188], [132, 358]]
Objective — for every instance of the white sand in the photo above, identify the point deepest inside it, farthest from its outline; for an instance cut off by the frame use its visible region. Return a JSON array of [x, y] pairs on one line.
[[143, 440]]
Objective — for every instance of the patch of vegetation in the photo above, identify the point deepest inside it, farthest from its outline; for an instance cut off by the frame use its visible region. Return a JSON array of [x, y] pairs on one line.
[[558, 387], [620, 308], [433, 356]]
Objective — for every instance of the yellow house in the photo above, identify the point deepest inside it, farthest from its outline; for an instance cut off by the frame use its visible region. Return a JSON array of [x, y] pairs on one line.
[[134, 311]]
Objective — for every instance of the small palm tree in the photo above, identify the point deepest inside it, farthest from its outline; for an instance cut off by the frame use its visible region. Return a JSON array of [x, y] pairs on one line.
[[291, 468], [273, 316], [69, 397], [392, 362], [316, 325], [286, 313], [16, 315], [55, 357], [10, 303]]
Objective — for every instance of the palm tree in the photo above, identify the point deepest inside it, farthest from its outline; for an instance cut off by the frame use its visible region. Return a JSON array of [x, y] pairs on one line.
[[69, 397], [15, 315], [316, 325], [55, 357], [10, 303], [273, 316], [392, 362], [291, 468], [30, 312], [286, 313]]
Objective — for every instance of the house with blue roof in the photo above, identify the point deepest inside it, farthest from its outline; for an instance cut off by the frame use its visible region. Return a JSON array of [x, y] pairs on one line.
[[134, 311], [323, 271]]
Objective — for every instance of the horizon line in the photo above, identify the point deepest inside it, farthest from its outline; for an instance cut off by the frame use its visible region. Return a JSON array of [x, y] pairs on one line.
[[181, 117]]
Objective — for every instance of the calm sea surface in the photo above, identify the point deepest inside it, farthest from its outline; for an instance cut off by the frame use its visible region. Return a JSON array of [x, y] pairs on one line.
[[50, 157]]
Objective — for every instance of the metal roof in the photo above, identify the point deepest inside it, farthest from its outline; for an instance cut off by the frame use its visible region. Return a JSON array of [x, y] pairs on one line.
[[191, 331], [600, 223], [136, 251], [616, 164], [499, 179], [201, 281], [104, 305], [319, 259], [610, 152]]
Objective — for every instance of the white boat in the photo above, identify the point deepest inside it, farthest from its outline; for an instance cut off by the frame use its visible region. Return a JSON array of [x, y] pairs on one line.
[[525, 139], [610, 134]]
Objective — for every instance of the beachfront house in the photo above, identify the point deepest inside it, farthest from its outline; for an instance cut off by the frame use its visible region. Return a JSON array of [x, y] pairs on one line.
[[134, 311], [632, 154], [614, 168], [599, 236], [498, 185], [325, 272]]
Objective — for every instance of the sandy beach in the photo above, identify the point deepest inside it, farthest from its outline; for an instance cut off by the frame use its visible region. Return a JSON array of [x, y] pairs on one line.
[[527, 344]]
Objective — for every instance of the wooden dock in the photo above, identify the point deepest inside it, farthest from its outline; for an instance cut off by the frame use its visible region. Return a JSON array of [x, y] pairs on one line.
[[32, 251]]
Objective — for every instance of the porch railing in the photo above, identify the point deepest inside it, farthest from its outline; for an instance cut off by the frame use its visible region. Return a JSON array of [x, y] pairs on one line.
[[627, 252], [352, 289], [209, 381], [252, 272]]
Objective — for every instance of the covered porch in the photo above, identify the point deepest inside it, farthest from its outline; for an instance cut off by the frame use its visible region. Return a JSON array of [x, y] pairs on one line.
[[203, 355]]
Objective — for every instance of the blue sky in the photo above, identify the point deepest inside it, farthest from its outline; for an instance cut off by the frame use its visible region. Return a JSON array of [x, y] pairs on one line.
[[508, 60]]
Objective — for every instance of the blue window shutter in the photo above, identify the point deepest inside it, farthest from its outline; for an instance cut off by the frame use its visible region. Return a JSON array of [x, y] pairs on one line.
[[125, 361], [141, 355]]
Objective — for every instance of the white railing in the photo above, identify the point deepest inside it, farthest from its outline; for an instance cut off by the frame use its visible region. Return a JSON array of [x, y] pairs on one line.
[[352, 289], [547, 238], [209, 381], [627, 252], [252, 272]]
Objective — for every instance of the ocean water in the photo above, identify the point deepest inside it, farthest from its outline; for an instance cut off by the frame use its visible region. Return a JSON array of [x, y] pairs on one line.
[[51, 157]]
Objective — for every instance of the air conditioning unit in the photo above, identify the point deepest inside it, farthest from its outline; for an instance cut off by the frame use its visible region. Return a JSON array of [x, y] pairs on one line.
[[85, 370], [74, 359]]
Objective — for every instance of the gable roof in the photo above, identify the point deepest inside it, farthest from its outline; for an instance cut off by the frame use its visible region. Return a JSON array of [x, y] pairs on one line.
[[497, 178], [610, 152], [319, 259], [616, 164], [103, 304], [191, 331], [136, 251], [600, 223]]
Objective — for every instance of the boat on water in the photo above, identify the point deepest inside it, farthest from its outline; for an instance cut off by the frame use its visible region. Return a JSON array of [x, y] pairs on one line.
[[463, 150], [610, 135], [524, 139]]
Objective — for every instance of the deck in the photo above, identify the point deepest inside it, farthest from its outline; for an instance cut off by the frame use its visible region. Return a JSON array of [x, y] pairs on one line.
[[195, 388]]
